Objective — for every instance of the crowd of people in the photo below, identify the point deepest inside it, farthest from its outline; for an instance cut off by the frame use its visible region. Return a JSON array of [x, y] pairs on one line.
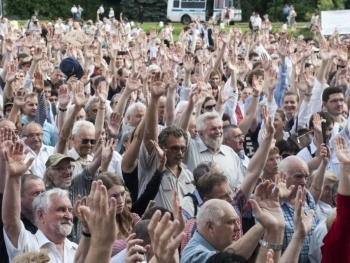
[[134, 146]]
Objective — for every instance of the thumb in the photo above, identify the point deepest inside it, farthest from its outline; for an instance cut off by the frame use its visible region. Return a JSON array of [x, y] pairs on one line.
[[256, 208], [85, 211]]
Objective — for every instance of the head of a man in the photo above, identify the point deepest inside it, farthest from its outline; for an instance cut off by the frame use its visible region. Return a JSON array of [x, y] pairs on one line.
[[333, 100], [272, 162], [329, 123], [47, 89], [214, 185], [32, 133], [59, 171], [56, 75], [83, 137], [135, 113], [209, 127], [204, 168], [91, 109], [217, 222], [31, 186], [327, 193], [297, 171], [123, 73], [233, 137], [31, 105], [53, 214], [161, 107], [174, 140]]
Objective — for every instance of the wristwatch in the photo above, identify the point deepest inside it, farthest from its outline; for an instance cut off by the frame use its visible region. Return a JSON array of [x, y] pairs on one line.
[[271, 245]]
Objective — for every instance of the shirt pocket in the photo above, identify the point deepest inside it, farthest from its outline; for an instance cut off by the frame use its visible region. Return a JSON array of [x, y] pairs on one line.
[[166, 183]]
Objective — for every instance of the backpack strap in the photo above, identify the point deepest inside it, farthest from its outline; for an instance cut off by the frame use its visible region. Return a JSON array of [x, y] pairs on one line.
[[309, 148], [195, 202]]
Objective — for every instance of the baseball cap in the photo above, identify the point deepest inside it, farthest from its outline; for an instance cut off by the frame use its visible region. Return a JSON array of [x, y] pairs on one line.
[[8, 101], [70, 66], [56, 158]]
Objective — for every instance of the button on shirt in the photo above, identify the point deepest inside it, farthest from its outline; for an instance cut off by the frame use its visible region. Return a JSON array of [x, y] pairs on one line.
[[28, 242], [288, 213], [38, 166], [225, 157], [183, 183], [79, 163], [198, 250]]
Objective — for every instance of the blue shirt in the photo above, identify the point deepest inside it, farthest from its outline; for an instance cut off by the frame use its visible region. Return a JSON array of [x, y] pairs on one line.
[[48, 130], [198, 250]]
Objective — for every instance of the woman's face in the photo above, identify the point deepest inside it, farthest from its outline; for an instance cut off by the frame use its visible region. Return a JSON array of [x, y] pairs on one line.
[[290, 104], [118, 192], [216, 79], [209, 106], [214, 92], [278, 123], [128, 200]]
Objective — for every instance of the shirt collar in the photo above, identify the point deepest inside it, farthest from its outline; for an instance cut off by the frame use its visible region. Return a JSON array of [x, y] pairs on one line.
[[203, 148], [74, 154], [43, 240], [201, 240]]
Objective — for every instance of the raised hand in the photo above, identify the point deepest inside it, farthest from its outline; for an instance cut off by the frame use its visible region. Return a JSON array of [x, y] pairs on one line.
[[324, 50], [38, 83], [113, 125], [161, 156], [157, 85], [343, 53], [317, 120], [38, 54], [266, 206], [177, 212], [14, 157], [271, 79], [188, 63], [270, 128], [19, 98], [265, 61], [7, 137], [284, 192], [79, 97], [9, 45], [11, 73], [283, 48], [63, 96], [134, 250], [302, 222], [77, 212], [132, 83], [342, 79], [102, 91], [341, 150], [107, 152]]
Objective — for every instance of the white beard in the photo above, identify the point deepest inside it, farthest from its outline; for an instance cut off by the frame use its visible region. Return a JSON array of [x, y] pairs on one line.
[[212, 143]]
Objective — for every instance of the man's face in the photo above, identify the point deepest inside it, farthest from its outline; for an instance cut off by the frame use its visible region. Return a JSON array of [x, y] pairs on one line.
[[32, 189], [30, 106], [56, 75], [298, 174], [192, 128], [335, 104], [59, 218], [246, 92], [278, 122], [212, 135], [221, 191], [47, 91], [61, 174], [254, 59], [53, 99], [327, 192], [25, 67], [136, 117], [33, 136], [119, 193], [92, 111], [124, 77], [119, 61], [80, 145], [81, 115], [115, 102], [161, 107], [236, 140], [225, 234], [176, 148], [8, 109], [271, 166], [290, 104]]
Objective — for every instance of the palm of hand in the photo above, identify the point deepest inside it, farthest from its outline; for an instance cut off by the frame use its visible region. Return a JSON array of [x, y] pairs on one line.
[[132, 84], [5, 145], [19, 101], [80, 99], [15, 164], [10, 76], [63, 99], [343, 155], [157, 88], [271, 215]]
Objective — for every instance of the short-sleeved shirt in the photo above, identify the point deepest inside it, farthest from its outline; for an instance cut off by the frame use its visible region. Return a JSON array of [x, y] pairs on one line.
[[288, 213], [198, 250], [27, 242], [183, 183], [48, 130], [225, 157]]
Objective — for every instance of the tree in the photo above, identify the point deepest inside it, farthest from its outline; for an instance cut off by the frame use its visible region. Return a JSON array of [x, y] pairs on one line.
[[154, 10]]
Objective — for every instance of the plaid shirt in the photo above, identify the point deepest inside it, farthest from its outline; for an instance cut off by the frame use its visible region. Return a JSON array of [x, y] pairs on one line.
[[239, 204], [288, 213]]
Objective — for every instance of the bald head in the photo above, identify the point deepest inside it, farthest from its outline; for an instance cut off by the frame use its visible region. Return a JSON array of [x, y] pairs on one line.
[[7, 123], [296, 169]]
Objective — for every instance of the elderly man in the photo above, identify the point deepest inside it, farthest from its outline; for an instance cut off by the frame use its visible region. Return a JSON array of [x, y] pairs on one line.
[[52, 211], [32, 134], [297, 173]]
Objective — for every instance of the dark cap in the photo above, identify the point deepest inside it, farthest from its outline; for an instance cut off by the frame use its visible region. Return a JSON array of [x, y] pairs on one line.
[[70, 66]]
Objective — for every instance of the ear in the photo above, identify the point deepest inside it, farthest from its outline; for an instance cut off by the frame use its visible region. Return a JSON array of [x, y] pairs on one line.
[[209, 226], [324, 104], [40, 214]]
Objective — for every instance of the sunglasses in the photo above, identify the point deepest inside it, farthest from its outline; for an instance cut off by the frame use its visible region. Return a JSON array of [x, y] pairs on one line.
[[86, 141], [210, 107], [176, 149]]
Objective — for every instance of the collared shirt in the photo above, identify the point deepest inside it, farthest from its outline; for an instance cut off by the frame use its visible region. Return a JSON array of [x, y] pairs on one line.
[[27, 242], [225, 157], [198, 250], [115, 165], [79, 163], [288, 213], [38, 166], [183, 183], [187, 205], [305, 154]]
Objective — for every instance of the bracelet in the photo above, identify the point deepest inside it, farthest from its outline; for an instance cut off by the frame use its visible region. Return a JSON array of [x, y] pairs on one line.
[[268, 245], [308, 95], [60, 109], [85, 234]]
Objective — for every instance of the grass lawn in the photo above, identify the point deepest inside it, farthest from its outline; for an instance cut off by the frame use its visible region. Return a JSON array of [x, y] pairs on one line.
[[178, 27]]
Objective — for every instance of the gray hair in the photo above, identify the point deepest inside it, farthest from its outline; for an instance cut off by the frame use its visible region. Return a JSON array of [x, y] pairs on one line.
[[171, 130], [127, 134], [210, 211], [30, 123], [92, 99], [25, 178], [133, 107], [200, 122], [287, 163], [227, 129], [43, 201], [82, 124]]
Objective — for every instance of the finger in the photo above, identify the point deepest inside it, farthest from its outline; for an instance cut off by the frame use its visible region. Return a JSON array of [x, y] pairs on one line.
[[103, 200], [153, 223], [165, 238], [91, 196], [130, 237]]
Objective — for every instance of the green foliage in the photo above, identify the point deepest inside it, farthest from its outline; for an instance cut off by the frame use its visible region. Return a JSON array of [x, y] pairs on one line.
[[324, 5], [155, 10]]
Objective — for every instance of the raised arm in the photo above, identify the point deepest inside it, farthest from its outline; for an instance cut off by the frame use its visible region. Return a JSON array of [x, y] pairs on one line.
[[102, 93], [186, 115], [151, 118], [11, 203]]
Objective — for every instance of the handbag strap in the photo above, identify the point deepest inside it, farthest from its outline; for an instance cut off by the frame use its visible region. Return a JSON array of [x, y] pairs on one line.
[[296, 126]]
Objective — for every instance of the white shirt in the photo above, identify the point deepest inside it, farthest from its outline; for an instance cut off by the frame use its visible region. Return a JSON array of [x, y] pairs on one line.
[[115, 165], [60, 26], [27, 242], [119, 258], [79, 162], [305, 153], [38, 166], [74, 9], [315, 255]]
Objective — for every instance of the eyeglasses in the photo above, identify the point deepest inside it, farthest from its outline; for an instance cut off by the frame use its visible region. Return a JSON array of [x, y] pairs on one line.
[[176, 149], [209, 107], [32, 135], [86, 141], [239, 137], [276, 159], [61, 169]]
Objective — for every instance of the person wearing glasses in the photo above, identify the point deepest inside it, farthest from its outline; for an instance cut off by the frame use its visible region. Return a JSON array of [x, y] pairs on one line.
[[83, 141], [32, 134]]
